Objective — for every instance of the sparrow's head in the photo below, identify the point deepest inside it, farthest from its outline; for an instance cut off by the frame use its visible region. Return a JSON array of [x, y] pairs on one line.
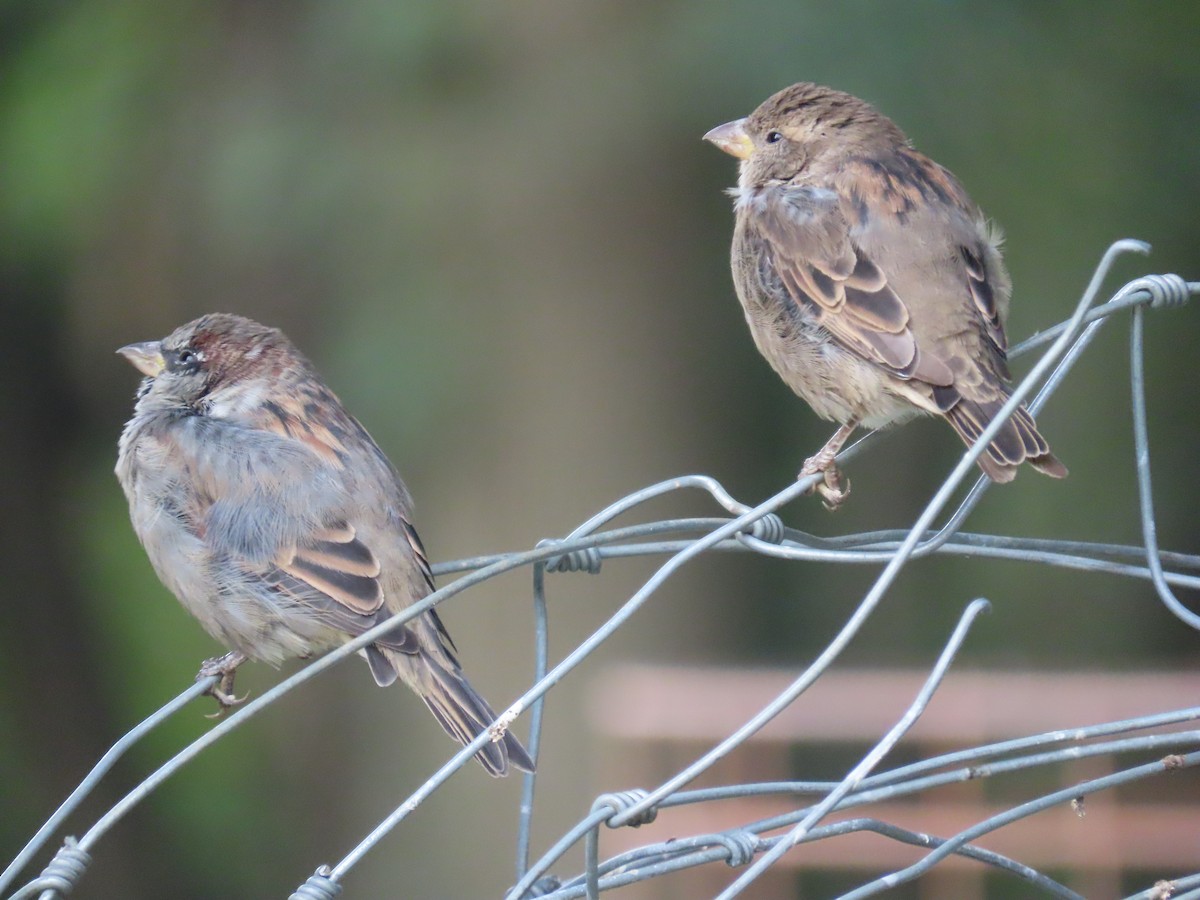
[[219, 365], [805, 129]]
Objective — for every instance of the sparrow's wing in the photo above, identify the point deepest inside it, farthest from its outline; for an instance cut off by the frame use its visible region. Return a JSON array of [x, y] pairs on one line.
[[835, 284], [303, 546], [332, 568], [907, 199]]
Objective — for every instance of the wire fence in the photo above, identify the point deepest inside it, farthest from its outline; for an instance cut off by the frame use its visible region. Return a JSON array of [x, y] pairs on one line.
[[756, 846]]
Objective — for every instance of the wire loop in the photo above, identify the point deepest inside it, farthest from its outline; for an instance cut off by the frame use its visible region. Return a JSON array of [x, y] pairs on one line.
[[583, 559], [620, 801], [62, 873], [1166, 291], [769, 529], [741, 845], [318, 887]]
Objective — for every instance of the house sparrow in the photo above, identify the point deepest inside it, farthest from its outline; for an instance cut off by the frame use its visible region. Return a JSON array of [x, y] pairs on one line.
[[278, 522], [871, 282]]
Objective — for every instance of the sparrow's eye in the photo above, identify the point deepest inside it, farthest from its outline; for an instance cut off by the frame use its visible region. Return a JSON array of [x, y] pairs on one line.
[[774, 137], [185, 360]]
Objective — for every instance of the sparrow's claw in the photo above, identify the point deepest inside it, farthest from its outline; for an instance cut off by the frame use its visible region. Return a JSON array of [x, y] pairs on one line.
[[224, 668], [834, 489]]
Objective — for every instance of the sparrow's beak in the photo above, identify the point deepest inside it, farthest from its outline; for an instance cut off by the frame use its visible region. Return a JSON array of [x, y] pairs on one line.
[[732, 138], [146, 357]]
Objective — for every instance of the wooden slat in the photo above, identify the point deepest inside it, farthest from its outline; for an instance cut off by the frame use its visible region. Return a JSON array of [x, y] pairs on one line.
[[667, 716], [971, 707]]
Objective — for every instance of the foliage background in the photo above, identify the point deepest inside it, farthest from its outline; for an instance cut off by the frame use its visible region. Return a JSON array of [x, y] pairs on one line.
[[495, 229]]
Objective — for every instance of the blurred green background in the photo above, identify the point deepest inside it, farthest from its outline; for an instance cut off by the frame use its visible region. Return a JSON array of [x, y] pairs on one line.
[[495, 229]]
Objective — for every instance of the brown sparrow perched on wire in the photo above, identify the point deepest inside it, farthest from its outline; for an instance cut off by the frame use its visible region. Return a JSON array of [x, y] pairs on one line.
[[871, 282], [278, 522]]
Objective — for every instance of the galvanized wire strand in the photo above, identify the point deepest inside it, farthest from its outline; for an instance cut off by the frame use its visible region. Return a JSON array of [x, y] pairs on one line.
[[915, 777], [1159, 291], [1020, 550], [894, 788], [1022, 811], [889, 538], [1068, 561], [701, 482], [877, 547], [882, 542], [870, 760], [588, 538], [861, 547], [88, 784], [541, 646], [730, 848], [1074, 735], [1141, 440], [858, 550], [997, 861]]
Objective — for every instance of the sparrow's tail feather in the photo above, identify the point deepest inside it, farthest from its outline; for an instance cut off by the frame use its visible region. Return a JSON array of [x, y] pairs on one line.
[[459, 709], [1018, 441]]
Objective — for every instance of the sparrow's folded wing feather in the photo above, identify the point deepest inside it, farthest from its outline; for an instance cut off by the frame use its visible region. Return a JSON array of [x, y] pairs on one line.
[[981, 283], [833, 281]]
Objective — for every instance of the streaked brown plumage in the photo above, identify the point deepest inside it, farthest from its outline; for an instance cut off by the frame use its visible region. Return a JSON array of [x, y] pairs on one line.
[[278, 522], [871, 282]]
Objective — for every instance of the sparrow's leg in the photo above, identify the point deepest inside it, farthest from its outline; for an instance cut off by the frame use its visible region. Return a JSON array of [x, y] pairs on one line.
[[836, 487], [225, 667]]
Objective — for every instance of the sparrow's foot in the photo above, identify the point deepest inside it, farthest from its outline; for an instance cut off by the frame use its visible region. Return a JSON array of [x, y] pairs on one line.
[[224, 668], [835, 487]]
